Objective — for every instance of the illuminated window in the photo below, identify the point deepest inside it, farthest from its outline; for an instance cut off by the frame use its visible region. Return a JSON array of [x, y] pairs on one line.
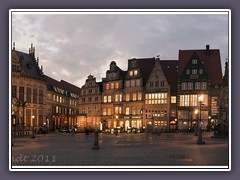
[[134, 111], [139, 96], [109, 98], [117, 85], [135, 72], [112, 85], [173, 99], [56, 109], [193, 100], [109, 111], [107, 86], [118, 97], [104, 111], [127, 97], [105, 99], [156, 98], [200, 71], [131, 73], [134, 96], [127, 111], [118, 110]]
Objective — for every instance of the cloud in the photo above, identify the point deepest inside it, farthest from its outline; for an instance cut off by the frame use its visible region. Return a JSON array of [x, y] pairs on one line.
[[71, 47]]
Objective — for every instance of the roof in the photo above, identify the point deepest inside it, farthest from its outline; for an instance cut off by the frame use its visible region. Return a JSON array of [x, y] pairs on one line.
[[211, 61], [29, 65], [146, 65], [64, 85], [170, 70]]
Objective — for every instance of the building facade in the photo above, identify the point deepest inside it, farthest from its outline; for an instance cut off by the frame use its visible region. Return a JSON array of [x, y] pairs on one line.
[[29, 91], [62, 104], [199, 74], [112, 98], [90, 109]]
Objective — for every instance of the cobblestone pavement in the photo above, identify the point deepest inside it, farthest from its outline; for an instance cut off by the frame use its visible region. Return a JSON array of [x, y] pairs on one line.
[[64, 149]]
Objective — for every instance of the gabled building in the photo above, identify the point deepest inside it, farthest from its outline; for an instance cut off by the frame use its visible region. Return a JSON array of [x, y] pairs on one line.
[[62, 104], [112, 98], [199, 74], [29, 91], [135, 80], [90, 106], [170, 70]]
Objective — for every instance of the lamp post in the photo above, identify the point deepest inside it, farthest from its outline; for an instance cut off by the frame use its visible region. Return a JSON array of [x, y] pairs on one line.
[[196, 127], [33, 133], [176, 126], [200, 141]]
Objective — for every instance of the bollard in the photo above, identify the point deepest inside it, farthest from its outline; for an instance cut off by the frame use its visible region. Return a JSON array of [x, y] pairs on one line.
[[95, 141]]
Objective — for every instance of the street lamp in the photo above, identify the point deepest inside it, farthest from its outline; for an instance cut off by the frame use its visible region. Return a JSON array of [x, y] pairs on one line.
[[33, 135], [199, 141], [195, 128]]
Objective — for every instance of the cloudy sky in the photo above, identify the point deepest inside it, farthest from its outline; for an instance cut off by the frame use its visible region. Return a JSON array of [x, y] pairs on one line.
[[72, 46]]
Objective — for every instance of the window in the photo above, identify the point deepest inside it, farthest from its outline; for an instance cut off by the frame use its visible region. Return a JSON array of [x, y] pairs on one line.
[[203, 85], [197, 85], [151, 84], [132, 83], [112, 85], [173, 99], [105, 99], [193, 100], [162, 83], [104, 111], [109, 111], [194, 71], [107, 86], [118, 110], [21, 93], [184, 86], [109, 98], [29, 95], [139, 96], [90, 91], [134, 96], [134, 111], [137, 82], [194, 61], [96, 98], [40, 96], [56, 109], [131, 73], [135, 72], [156, 84], [34, 95], [118, 97], [89, 99], [117, 85], [127, 97], [14, 91], [200, 71], [127, 111], [187, 71], [156, 98], [190, 86], [127, 83]]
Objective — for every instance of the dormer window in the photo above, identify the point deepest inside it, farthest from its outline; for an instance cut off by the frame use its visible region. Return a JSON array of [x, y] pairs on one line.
[[194, 61]]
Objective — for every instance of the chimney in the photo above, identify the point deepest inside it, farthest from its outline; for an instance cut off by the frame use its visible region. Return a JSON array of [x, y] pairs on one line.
[[207, 47]]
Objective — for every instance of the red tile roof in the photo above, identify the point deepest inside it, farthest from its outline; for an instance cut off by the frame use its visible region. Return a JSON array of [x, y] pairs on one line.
[[211, 61], [170, 69]]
